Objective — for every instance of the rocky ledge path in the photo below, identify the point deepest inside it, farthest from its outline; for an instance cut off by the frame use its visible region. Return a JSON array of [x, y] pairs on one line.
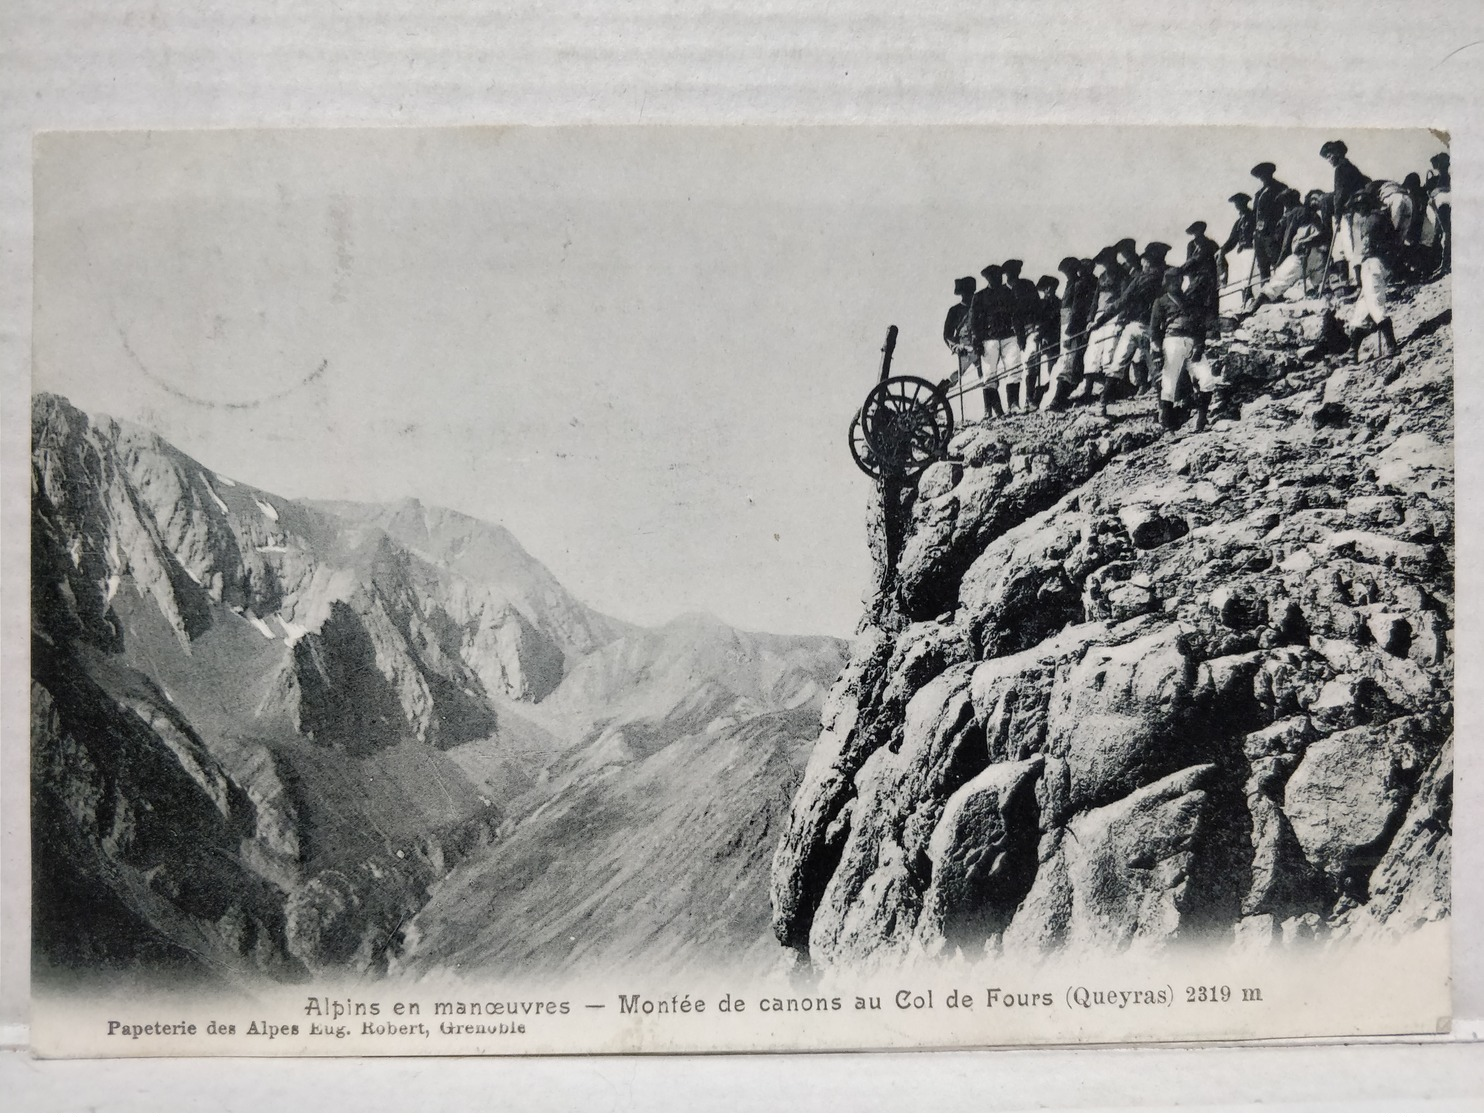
[[1118, 689]]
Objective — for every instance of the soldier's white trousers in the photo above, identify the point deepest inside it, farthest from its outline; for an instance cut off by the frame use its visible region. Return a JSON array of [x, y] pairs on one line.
[[1177, 351], [1374, 301], [1003, 360]]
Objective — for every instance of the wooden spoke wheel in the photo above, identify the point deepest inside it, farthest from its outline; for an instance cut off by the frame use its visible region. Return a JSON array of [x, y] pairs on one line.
[[860, 450], [906, 423]]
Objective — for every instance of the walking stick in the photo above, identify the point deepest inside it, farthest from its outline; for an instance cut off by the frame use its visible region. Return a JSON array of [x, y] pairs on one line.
[[1329, 255]]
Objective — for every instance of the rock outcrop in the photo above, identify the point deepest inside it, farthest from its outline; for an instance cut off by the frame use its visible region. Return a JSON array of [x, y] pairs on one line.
[[1121, 690]]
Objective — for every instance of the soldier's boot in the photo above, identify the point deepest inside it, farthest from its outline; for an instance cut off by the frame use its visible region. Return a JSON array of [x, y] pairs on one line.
[[1012, 398], [1358, 334], [1050, 396], [1028, 398], [1261, 300], [1055, 398], [1097, 393], [1388, 338], [1202, 406], [992, 403], [1166, 415]]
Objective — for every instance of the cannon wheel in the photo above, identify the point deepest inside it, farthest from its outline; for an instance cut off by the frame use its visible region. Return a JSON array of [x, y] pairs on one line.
[[860, 450], [906, 423]]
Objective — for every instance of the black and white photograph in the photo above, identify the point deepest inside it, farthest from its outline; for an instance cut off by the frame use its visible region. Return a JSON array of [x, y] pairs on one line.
[[650, 589]]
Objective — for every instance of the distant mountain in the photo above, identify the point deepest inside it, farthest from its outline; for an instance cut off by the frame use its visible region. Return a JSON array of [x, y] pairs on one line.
[[263, 729]]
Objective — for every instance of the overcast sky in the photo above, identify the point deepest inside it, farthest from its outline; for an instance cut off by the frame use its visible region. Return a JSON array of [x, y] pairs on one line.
[[638, 349]]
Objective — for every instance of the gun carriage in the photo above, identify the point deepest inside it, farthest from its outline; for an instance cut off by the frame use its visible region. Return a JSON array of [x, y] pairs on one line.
[[903, 426]]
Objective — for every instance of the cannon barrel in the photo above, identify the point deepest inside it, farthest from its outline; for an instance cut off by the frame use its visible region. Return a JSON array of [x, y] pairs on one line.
[[886, 351]]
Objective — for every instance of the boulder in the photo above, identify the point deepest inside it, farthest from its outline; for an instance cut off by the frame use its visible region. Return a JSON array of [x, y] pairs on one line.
[[1348, 794], [1017, 592], [1124, 715], [983, 852], [872, 900], [1124, 874], [872, 915], [1041, 922], [1149, 528], [1414, 463], [1111, 594], [1412, 884], [1429, 644], [1283, 881], [938, 480], [921, 652], [1391, 631], [1348, 700], [1237, 608], [1371, 546], [1287, 737]]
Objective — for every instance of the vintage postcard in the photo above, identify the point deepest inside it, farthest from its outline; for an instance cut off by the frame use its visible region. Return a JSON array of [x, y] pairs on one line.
[[520, 590]]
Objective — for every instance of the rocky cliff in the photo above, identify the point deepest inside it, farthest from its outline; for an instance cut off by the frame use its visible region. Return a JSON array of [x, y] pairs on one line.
[[1119, 689], [264, 729]]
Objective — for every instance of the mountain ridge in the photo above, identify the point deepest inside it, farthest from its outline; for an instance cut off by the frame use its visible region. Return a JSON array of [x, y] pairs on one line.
[[342, 701]]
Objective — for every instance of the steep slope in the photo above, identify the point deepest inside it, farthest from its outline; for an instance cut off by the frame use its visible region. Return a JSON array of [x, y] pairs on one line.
[[197, 644], [646, 838], [657, 863], [1119, 690]]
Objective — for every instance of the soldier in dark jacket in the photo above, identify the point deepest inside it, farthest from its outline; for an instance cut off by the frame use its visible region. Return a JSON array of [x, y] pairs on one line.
[[1267, 212], [1202, 269], [994, 312], [1301, 249], [1126, 255], [1026, 296], [1348, 177], [1130, 313], [1375, 249], [1236, 252], [1043, 341], [1240, 238], [1439, 187], [1102, 338], [1026, 302], [1177, 336], [958, 331], [1412, 184], [1348, 181], [1079, 298]]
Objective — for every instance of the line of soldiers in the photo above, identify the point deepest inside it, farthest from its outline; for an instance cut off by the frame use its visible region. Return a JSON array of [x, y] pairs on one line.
[[1125, 317]]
